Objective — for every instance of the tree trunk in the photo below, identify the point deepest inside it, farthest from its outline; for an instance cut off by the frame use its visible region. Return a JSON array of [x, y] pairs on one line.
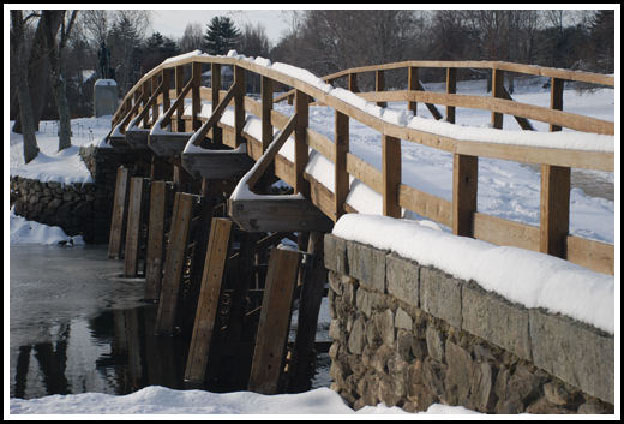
[[19, 75], [60, 94]]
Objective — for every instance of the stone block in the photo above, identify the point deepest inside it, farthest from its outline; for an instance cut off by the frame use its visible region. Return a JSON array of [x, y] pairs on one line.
[[496, 320], [435, 343], [441, 295], [576, 353], [403, 319], [329, 255], [356, 337], [402, 277], [368, 265], [340, 249], [105, 97]]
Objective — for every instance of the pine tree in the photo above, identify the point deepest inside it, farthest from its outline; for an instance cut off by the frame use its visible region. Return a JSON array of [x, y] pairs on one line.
[[221, 35]]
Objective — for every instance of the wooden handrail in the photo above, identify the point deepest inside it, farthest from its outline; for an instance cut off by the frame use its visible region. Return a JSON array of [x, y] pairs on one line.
[[150, 103], [214, 117], [167, 118]]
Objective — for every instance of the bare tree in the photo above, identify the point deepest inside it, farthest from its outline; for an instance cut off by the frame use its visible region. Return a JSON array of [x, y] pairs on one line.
[[57, 67], [19, 75], [96, 24], [192, 39]]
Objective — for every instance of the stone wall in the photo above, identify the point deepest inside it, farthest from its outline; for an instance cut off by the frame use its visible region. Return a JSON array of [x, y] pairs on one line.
[[409, 335], [84, 209]]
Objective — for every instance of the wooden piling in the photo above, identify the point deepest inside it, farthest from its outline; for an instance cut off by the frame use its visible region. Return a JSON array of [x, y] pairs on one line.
[[214, 264], [272, 333], [119, 214], [133, 226], [156, 240]]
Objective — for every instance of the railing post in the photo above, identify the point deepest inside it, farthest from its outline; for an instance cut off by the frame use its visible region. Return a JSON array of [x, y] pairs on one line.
[[380, 85], [166, 102], [555, 193], [179, 85], [341, 176], [465, 184], [267, 107], [196, 68], [215, 86], [391, 151], [301, 143], [498, 88], [144, 99], [154, 84], [353, 82], [412, 84], [451, 88], [239, 103]]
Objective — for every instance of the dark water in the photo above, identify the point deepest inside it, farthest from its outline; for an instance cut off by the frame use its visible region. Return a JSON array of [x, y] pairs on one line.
[[76, 327]]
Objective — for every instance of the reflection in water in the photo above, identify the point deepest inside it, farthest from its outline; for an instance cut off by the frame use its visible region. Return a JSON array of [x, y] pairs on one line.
[[128, 356]]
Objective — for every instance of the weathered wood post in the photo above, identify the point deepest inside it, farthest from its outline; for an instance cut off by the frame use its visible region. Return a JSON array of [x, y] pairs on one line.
[[412, 84], [239, 103], [144, 99], [380, 85], [301, 143], [341, 150], [272, 335], [555, 193], [154, 87], [451, 88], [196, 69], [391, 170], [133, 227], [203, 327], [178, 123], [119, 214], [166, 102], [498, 88], [156, 240], [267, 107], [215, 86], [352, 82], [465, 183]]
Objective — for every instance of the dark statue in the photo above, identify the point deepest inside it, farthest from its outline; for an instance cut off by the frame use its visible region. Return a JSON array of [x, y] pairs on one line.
[[104, 61]]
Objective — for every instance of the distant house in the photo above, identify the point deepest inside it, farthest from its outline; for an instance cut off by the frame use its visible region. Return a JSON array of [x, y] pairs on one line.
[[227, 77]]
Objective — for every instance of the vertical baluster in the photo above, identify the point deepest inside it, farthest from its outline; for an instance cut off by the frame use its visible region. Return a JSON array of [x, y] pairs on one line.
[[353, 82], [301, 143], [380, 85], [391, 175], [498, 78], [146, 94], [196, 68], [239, 103], [215, 86], [179, 85], [451, 88], [166, 102], [267, 107], [412, 84], [341, 149], [465, 184], [154, 84]]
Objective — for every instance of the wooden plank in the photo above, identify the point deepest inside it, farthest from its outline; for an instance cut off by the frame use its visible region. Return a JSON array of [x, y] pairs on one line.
[[412, 84], [133, 227], [119, 214], [322, 197], [174, 263], [425, 204], [554, 209], [380, 85], [391, 173], [155, 89], [215, 87], [274, 321], [451, 88], [203, 327], [145, 101], [365, 172], [353, 86], [179, 85], [592, 254], [267, 106], [196, 69], [321, 144], [341, 150], [301, 142], [156, 240], [310, 298], [504, 232], [239, 103], [465, 182], [216, 114], [175, 108], [556, 99], [166, 83], [498, 79]]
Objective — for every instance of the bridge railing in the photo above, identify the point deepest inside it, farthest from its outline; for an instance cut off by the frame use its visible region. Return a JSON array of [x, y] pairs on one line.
[[460, 214]]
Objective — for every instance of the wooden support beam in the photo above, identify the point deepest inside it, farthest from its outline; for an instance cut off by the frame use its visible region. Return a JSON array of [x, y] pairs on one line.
[[272, 335], [244, 274], [203, 327], [315, 275], [391, 157], [176, 251], [353, 86], [156, 240], [267, 107], [175, 107], [412, 84], [215, 86], [145, 100], [556, 99], [179, 85], [196, 68], [166, 85], [451, 88], [215, 116], [498, 86], [155, 89], [301, 142], [133, 226], [380, 85], [465, 184], [239, 104], [341, 150], [119, 214]]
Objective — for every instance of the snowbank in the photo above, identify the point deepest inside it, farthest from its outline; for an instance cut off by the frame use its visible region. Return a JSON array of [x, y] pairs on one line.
[[31, 232], [161, 400], [532, 279]]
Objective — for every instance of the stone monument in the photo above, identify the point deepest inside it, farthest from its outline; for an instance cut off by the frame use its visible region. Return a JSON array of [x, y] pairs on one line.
[[105, 93]]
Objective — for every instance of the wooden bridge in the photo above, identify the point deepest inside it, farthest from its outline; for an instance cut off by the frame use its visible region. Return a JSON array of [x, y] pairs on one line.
[[196, 241]]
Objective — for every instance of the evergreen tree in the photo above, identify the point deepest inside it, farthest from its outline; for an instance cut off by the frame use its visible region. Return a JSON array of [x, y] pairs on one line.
[[221, 35]]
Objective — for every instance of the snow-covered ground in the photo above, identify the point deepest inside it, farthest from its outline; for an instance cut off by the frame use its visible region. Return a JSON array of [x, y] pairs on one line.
[[32, 232]]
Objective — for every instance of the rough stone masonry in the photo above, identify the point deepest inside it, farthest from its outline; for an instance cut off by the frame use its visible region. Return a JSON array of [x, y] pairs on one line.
[[409, 335]]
